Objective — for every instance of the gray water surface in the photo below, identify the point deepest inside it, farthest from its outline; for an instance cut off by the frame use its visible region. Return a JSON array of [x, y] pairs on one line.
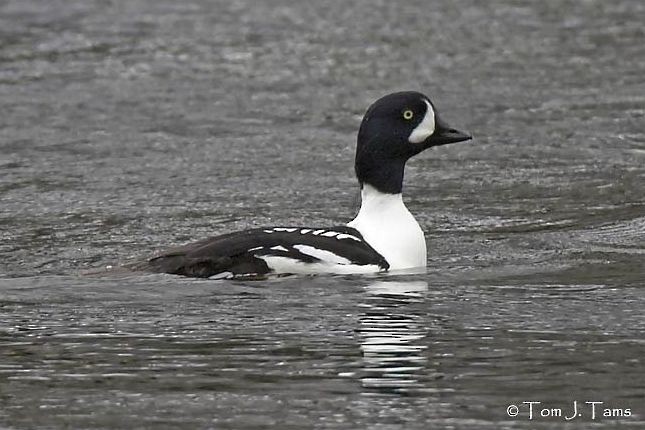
[[127, 127]]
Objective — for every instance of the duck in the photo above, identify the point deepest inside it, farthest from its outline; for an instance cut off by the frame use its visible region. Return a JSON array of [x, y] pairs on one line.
[[384, 236]]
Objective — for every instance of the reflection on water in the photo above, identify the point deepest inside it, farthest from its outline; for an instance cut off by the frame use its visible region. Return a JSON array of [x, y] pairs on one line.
[[392, 329]]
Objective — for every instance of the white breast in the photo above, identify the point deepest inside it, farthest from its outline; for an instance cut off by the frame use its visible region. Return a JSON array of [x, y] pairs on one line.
[[389, 228]]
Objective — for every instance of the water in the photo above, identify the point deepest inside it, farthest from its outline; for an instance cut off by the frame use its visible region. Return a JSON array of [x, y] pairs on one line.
[[130, 126]]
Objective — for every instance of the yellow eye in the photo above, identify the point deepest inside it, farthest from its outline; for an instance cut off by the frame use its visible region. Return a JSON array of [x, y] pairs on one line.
[[408, 114]]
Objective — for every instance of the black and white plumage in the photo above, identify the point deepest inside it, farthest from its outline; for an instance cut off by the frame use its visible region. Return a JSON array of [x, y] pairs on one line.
[[383, 236], [277, 249]]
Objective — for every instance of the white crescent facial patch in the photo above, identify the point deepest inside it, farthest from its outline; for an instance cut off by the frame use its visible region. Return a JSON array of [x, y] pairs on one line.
[[425, 128]]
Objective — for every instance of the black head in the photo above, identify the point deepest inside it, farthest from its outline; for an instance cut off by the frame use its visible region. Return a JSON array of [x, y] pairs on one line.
[[395, 128]]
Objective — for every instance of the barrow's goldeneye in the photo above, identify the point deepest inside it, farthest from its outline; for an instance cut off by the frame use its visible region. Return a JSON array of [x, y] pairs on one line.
[[383, 236]]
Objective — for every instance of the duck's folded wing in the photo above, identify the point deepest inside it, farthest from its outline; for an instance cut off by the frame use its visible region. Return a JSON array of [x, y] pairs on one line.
[[265, 250]]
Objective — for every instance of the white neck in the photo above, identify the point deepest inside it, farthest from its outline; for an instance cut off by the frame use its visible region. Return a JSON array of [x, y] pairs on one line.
[[389, 228]]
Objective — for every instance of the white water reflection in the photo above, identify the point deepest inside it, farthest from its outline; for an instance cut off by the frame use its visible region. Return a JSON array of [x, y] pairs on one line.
[[392, 330]]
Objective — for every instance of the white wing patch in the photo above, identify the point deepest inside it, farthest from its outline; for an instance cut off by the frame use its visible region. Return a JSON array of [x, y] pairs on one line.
[[287, 229], [321, 232], [223, 275], [326, 261], [322, 254], [347, 236], [289, 265]]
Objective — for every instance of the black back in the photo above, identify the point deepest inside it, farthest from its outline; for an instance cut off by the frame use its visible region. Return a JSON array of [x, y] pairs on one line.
[[239, 253]]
